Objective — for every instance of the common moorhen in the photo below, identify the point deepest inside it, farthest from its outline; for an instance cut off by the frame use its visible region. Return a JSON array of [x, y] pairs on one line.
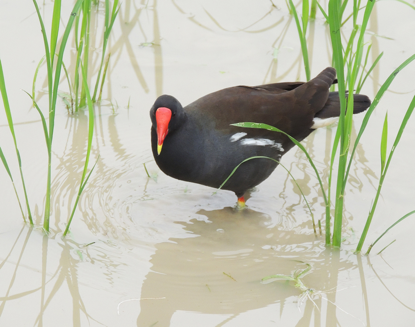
[[200, 145]]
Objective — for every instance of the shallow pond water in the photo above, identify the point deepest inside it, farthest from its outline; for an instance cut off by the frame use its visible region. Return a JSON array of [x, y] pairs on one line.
[[161, 252]]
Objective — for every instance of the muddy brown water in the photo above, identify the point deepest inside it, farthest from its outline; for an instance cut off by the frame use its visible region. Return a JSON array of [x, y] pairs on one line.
[[161, 252]]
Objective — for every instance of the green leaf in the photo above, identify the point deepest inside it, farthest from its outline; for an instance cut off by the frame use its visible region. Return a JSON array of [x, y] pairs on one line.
[[35, 77], [55, 28], [6, 104], [84, 178], [388, 229], [305, 15], [323, 12], [303, 41], [385, 170], [384, 143], [362, 82]]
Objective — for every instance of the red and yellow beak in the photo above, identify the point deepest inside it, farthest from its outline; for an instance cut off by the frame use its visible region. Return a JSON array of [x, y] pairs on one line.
[[163, 116]]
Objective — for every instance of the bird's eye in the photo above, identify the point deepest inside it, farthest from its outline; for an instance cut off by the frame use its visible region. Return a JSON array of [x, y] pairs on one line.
[[174, 114]]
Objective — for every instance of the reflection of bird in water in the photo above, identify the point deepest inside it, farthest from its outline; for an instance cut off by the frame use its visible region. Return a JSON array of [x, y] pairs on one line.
[[217, 270]]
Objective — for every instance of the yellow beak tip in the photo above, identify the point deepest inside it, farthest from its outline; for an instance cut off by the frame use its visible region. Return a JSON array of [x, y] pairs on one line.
[[159, 148]]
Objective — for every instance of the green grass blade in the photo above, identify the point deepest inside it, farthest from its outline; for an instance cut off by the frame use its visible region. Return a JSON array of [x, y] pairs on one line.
[[406, 3], [103, 77], [145, 168], [108, 26], [268, 158], [52, 106], [89, 147], [382, 178], [75, 10], [3, 159], [107, 13], [86, 27], [42, 117], [77, 65], [303, 272], [388, 229], [35, 78], [386, 246], [6, 166], [55, 28], [305, 15], [47, 53], [384, 144], [69, 84], [274, 129], [374, 104], [77, 20], [332, 158], [343, 7], [313, 9], [364, 67], [335, 16], [323, 12], [303, 41], [6, 104], [350, 43], [361, 83], [350, 16]]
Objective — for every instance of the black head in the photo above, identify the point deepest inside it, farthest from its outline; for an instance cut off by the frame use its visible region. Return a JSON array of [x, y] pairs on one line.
[[178, 116]]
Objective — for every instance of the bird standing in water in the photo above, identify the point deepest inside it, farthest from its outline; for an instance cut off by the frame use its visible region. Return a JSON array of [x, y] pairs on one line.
[[198, 143]]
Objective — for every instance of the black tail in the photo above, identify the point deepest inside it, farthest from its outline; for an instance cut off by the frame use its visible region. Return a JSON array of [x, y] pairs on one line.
[[332, 106]]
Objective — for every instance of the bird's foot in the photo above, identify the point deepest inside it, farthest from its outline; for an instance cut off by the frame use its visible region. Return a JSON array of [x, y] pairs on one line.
[[241, 203]]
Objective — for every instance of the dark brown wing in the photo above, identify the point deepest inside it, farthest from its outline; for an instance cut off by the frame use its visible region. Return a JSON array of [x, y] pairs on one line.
[[276, 88], [291, 111]]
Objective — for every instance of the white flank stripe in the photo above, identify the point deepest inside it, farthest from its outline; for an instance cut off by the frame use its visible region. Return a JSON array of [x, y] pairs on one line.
[[318, 122], [262, 142], [237, 136], [278, 146]]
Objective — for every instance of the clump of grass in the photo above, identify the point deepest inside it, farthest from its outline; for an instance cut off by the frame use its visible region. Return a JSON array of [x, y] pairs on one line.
[[348, 61], [384, 167], [82, 46], [54, 63], [53, 83]]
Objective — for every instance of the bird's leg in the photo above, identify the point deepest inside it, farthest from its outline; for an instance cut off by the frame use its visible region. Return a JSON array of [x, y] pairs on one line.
[[241, 202]]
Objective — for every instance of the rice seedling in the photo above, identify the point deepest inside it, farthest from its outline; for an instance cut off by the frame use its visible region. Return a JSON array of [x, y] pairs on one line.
[[82, 43], [85, 177], [384, 168], [352, 61], [387, 230], [296, 277], [53, 83], [302, 30], [54, 63], [307, 293], [348, 61], [3, 159]]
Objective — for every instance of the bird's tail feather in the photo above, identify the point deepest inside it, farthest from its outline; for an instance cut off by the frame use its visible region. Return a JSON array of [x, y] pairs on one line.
[[331, 110], [332, 107]]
